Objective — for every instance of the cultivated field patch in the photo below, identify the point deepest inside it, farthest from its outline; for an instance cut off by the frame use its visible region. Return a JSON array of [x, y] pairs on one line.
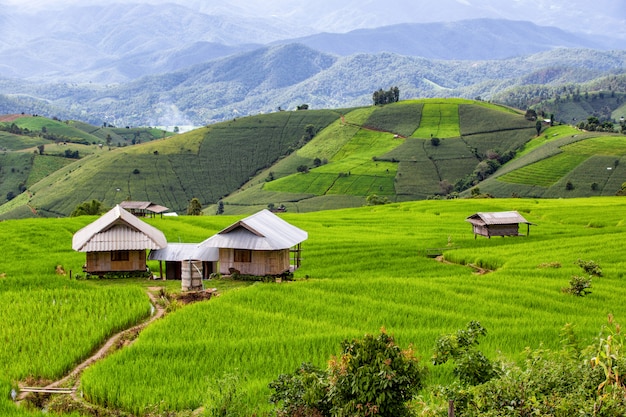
[[439, 120], [548, 171], [399, 118], [545, 172]]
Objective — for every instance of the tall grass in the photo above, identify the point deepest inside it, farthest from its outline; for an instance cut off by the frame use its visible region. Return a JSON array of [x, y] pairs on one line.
[[49, 321], [606, 145], [51, 329], [366, 269]]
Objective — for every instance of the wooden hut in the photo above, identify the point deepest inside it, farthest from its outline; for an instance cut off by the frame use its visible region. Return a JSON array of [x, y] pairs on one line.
[[117, 242], [143, 208], [176, 255], [504, 223], [261, 244]]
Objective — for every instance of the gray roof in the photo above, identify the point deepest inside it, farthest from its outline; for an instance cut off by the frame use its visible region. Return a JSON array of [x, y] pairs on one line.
[[185, 252], [261, 231], [118, 230], [143, 205], [501, 217]]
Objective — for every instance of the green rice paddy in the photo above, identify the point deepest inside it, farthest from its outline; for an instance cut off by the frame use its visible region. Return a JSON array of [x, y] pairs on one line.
[[363, 269]]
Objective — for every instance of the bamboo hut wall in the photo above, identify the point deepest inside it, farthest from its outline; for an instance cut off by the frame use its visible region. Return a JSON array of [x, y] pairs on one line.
[[497, 230], [101, 262], [503, 229], [261, 262]]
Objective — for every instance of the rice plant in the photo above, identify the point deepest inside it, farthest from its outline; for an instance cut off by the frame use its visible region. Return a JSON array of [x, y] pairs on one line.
[[363, 269]]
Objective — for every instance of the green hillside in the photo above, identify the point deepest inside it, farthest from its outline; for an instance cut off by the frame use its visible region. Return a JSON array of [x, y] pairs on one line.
[[315, 160], [566, 163], [573, 108], [388, 151], [35, 147], [206, 163]]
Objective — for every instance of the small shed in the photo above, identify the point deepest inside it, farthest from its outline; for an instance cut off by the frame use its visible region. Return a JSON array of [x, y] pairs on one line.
[[503, 223], [261, 244], [117, 242], [143, 208], [179, 256]]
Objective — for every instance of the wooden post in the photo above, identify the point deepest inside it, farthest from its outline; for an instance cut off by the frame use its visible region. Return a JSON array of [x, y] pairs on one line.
[[450, 408]]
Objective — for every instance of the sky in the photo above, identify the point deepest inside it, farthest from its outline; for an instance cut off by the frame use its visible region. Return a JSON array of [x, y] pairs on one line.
[[607, 17]]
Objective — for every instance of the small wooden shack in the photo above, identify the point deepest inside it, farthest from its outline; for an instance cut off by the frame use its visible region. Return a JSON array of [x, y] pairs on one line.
[[177, 256], [117, 242], [143, 208], [504, 223], [261, 244]]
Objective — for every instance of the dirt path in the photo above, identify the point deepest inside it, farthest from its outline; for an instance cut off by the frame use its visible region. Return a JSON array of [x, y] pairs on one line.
[[477, 269], [10, 117], [113, 341]]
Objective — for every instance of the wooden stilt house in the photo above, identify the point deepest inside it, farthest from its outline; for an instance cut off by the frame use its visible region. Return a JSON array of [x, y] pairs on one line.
[[504, 223], [117, 242], [261, 244]]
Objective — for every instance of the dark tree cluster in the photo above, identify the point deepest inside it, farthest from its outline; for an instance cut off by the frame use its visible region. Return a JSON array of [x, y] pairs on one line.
[[381, 97], [489, 163], [594, 124], [71, 154]]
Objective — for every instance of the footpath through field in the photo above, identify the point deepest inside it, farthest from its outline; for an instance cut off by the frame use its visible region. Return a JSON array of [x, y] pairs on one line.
[[114, 340]]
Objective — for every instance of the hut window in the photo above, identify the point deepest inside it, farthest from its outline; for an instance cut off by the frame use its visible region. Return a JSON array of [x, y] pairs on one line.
[[243, 255], [119, 255]]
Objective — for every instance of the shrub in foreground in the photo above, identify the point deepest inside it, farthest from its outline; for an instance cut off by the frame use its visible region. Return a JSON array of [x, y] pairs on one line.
[[372, 376], [562, 383]]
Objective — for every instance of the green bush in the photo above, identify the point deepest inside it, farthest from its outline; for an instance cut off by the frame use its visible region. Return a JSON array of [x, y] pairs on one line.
[[471, 366], [372, 376], [590, 267], [579, 286], [560, 383]]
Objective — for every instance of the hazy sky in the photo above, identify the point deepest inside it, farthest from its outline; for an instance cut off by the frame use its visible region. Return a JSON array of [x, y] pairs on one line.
[[598, 16]]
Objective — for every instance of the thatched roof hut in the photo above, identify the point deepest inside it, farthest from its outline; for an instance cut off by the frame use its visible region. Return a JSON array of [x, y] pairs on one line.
[[503, 223]]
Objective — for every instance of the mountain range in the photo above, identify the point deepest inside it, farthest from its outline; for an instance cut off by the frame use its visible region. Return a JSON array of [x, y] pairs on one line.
[[168, 64]]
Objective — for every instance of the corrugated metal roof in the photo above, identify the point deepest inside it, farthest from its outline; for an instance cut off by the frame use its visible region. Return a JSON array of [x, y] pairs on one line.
[[143, 205], [261, 231], [118, 230], [137, 205], [501, 217], [185, 252]]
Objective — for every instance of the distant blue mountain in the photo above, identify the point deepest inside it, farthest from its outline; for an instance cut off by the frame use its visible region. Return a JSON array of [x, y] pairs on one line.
[[467, 39]]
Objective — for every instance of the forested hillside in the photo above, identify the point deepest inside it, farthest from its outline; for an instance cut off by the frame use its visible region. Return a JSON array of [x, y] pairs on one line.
[[286, 76]]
